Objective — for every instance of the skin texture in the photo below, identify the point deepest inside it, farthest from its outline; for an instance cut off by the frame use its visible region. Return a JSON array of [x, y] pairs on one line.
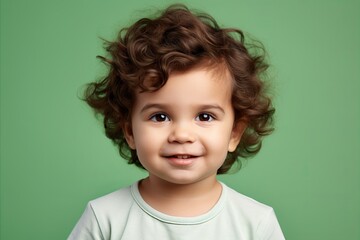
[[182, 134]]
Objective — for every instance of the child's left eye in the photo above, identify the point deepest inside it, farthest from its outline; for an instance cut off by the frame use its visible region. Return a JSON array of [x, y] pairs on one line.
[[205, 117]]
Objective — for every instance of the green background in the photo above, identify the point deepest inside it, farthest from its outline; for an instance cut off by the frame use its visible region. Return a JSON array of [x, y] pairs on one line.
[[55, 157]]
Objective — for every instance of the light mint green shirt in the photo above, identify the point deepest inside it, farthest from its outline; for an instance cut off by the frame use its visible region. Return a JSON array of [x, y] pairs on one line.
[[124, 215]]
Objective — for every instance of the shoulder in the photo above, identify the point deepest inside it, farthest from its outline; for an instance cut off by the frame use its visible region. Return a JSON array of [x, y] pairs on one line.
[[249, 208], [102, 214], [112, 211], [114, 201], [257, 218], [244, 202], [113, 208]]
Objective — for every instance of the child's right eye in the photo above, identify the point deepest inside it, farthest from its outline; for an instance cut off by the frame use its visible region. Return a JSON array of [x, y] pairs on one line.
[[159, 117]]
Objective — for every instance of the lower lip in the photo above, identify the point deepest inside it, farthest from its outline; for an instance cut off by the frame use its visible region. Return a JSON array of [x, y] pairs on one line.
[[182, 162]]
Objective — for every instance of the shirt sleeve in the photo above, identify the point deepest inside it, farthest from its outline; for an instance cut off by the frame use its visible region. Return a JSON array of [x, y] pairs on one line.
[[269, 228], [87, 228]]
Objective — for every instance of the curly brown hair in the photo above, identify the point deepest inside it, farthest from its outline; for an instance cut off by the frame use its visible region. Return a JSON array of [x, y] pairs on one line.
[[177, 40]]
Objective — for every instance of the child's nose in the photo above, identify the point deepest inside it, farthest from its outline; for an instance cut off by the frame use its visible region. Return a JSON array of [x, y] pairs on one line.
[[181, 133]]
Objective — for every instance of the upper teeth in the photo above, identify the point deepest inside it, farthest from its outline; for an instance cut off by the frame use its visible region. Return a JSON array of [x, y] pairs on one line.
[[183, 156]]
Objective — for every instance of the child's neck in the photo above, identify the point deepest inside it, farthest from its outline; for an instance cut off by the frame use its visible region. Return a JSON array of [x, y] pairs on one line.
[[182, 200]]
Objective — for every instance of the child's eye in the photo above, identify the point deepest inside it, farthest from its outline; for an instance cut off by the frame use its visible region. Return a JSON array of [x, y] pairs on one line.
[[205, 117], [159, 117]]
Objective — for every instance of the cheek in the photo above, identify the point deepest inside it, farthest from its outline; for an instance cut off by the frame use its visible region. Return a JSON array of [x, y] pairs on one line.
[[144, 151], [147, 141], [218, 142]]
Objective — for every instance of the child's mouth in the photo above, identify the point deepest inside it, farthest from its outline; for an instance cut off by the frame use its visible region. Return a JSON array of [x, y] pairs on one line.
[[182, 156], [181, 160]]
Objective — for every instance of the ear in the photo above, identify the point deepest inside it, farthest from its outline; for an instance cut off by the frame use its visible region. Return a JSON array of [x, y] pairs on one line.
[[237, 132], [129, 136]]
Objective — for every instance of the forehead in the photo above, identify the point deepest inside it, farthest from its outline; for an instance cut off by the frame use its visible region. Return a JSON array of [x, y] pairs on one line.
[[195, 86]]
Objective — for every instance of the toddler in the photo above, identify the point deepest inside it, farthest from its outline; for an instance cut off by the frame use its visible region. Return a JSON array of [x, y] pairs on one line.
[[183, 100]]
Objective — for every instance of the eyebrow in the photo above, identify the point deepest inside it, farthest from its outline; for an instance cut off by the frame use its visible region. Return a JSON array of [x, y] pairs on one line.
[[166, 106], [153, 105]]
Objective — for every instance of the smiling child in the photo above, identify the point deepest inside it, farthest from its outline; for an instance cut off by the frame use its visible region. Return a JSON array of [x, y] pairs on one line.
[[184, 100]]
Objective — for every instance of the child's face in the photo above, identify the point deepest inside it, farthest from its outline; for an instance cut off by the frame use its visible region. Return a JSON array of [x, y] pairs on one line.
[[183, 131]]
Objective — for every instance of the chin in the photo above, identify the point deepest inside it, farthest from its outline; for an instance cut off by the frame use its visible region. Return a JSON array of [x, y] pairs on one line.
[[185, 180]]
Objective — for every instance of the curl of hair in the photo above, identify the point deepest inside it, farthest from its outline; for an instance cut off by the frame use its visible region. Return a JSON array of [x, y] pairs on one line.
[[145, 54]]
